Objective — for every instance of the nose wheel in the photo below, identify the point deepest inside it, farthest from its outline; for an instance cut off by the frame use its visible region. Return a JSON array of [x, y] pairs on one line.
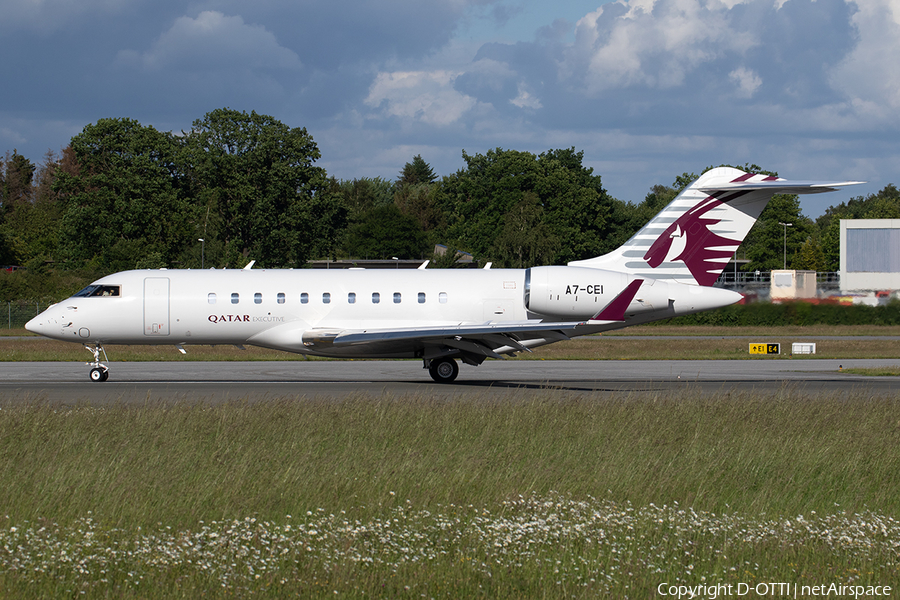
[[99, 370], [98, 374]]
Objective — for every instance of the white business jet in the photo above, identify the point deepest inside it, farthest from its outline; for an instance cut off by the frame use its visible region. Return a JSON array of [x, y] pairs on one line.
[[665, 270]]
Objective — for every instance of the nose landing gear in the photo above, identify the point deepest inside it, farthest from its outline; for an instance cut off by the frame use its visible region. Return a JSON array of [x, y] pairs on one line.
[[100, 371]]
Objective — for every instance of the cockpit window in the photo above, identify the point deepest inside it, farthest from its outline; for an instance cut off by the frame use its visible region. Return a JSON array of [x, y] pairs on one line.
[[94, 291]]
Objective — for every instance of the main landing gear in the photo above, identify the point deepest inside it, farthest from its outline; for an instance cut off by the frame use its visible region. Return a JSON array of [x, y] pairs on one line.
[[443, 370], [100, 371]]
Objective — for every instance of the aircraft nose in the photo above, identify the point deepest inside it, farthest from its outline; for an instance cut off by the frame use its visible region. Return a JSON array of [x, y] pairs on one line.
[[35, 325], [42, 323]]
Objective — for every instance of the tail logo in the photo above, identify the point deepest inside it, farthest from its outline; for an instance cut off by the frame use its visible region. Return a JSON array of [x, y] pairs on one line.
[[702, 251]]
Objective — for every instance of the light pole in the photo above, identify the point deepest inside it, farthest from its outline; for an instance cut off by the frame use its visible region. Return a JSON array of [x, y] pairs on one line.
[[202, 252], [786, 225]]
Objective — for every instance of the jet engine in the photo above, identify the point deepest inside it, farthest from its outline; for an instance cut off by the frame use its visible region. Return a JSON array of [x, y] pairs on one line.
[[578, 293]]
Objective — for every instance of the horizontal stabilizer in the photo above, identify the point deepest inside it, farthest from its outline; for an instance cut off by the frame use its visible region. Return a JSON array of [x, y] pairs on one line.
[[778, 186]]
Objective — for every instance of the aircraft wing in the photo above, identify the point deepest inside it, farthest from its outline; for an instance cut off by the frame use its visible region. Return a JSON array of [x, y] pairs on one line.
[[482, 340], [466, 331]]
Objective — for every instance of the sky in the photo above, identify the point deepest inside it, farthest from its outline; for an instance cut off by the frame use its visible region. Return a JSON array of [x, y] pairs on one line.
[[646, 89]]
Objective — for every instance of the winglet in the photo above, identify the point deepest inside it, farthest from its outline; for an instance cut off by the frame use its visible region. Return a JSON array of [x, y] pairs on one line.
[[615, 310]]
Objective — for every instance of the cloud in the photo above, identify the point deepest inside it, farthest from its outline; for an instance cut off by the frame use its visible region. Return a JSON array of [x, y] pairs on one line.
[[656, 45], [525, 99], [870, 74], [647, 88], [328, 35], [746, 80], [213, 40], [47, 16], [684, 65], [422, 96]]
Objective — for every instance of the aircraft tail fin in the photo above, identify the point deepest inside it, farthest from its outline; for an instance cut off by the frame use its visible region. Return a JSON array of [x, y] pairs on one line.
[[693, 238]]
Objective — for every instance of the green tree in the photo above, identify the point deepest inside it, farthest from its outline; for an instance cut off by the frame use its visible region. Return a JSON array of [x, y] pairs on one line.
[[420, 201], [417, 195], [476, 201], [416, 172], [275, 206], [526, 239], [16, 173], [385, 232], [885, 204], [126, 197], [810, 256], [362, 195], [32, 224], [15, 181], [770, 244]]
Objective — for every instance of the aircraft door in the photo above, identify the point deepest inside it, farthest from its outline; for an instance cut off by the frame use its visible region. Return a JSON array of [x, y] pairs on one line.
[[156, 306]]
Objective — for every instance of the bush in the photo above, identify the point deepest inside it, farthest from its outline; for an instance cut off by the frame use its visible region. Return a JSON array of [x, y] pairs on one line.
[[764, 314]]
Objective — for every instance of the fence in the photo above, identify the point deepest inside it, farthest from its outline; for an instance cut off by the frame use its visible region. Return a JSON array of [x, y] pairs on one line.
[[19, 313], [825, 280]]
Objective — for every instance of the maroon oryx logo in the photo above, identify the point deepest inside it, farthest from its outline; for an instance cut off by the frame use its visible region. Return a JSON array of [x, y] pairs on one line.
[[701, 246]]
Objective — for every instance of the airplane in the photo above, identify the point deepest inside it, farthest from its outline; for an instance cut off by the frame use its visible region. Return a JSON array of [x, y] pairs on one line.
[[440, 316]]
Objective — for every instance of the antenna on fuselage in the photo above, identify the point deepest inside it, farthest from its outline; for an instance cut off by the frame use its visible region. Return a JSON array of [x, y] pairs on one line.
[[250, 265]]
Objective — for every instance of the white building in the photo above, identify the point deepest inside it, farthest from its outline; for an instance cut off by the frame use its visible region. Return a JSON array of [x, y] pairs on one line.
[[870, 254], [792, 285]]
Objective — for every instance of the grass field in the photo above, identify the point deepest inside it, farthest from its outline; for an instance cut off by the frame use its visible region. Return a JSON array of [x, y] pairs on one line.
[[556, 496]]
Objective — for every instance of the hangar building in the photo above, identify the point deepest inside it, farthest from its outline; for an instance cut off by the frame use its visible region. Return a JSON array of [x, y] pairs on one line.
[[870, 254]]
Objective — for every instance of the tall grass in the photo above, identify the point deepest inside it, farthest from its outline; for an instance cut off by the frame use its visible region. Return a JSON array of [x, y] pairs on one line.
[[479, 494], [183, 463]]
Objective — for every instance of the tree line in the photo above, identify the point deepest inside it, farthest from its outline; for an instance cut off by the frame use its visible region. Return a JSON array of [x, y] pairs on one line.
[[123, 195]]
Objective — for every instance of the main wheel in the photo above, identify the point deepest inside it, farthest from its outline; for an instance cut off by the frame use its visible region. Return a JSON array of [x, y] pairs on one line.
[[98, 374], [443, 370]]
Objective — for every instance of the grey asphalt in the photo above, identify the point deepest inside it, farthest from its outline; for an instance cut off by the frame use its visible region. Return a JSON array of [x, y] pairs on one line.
[[68, 383]]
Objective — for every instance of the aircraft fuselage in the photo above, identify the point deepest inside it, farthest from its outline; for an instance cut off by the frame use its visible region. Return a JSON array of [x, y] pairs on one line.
[[301, 310]]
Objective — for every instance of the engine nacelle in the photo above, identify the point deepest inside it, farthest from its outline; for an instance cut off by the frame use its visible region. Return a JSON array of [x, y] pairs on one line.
[[579, 293]]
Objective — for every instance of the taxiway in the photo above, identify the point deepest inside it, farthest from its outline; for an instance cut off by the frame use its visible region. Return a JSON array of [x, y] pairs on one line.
[[68, 383]]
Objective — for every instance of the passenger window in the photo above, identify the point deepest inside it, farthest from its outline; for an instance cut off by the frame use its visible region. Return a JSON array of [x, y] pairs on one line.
[[280, 297], [211, 298], [326, 298], [351, 298], [396, 297], [442, 297], [304, 298], [235, 298], [376, 297], [421, 297], [257, 298]]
